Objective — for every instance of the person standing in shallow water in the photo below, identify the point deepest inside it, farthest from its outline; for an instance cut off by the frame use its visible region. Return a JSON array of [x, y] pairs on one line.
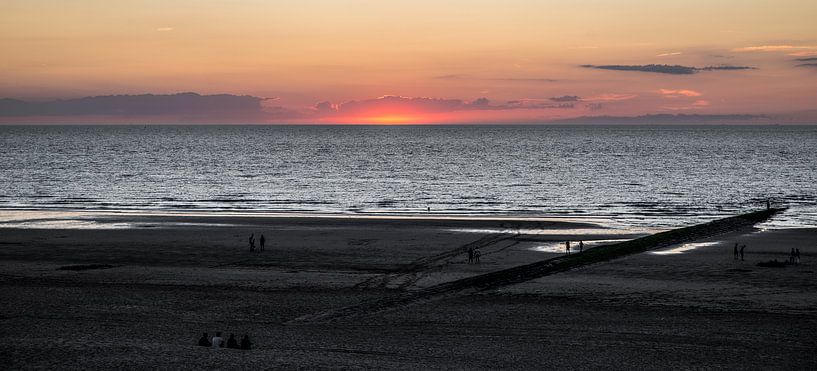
[[217, 341], [567, 247], [470, 255], [581, 246], [232, 342], [204, 341], [252, 242], [245, 342], [741, 252], [261, 243]]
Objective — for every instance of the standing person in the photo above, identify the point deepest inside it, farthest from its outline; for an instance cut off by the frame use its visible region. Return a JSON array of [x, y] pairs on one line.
[[797, 256], [792, 256], [567, 247], [768, 204], [204, 341], [217, 341], [736, 251], [470, 255], [232, 342], [581, 246], [477, 254], [245, 342], [261, 243], [741, 252], [252, 242]]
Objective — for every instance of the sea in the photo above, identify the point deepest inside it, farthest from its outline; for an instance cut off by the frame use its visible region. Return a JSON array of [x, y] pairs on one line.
[[640, 175]]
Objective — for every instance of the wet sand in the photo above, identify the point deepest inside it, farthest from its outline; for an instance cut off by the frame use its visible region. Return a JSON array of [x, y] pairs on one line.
[[155, 288]]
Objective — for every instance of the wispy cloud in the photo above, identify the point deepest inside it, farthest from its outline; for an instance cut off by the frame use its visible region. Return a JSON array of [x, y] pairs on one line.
[[665, 68], [668, 54], [525, 79], [566, 98], [454, 76], [774, 48], [802, 54], [610, 97], [671, 93], [812, 65], [164, 29]]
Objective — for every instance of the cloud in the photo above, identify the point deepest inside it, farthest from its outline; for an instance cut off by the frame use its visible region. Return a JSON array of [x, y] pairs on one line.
[[806, 59], [665, 68], [802, 54], [610, 97], [190, 105], [668, 119], [450, 77], [773, 48], [813, 65], [392, 104], [164, 29], [566, 98], [525, 79], [668, 54], [669, 93]]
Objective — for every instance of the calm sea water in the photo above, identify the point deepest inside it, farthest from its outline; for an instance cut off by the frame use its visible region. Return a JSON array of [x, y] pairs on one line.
[[642, 175]]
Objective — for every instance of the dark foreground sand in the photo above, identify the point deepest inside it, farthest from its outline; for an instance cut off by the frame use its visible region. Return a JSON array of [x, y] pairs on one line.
[[173, 278]]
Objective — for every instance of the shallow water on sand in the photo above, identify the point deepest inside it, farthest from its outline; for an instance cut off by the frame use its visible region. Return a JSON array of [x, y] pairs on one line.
[[639, 175]]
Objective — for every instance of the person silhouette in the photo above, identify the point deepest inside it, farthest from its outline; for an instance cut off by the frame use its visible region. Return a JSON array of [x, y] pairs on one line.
[[252, 242], [792, 255], [797, 256], [736, 251], [245, 342], [477, 254], [217, 341], [581, 246], [261, 243], [470, 255], [204, 341], [768, 204], [567, 247], [232, 342], [743, 247]]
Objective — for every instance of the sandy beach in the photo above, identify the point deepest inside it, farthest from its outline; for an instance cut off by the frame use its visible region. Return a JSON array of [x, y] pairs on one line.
[[137, 291]]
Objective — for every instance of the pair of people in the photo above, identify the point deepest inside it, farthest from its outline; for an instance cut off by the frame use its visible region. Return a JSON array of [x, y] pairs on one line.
[[739, 252], [261, 242], [567, 246], [794, 257], [473, 255], [218, 342]]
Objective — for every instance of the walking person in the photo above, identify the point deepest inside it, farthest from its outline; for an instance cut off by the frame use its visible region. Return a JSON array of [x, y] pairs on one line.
[[261, 243], [741, 252]]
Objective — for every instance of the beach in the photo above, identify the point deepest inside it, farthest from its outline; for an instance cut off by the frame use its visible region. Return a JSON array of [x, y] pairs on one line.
[[137, 291]]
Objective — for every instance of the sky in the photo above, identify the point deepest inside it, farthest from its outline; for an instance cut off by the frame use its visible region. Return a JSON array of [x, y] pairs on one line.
[[397, 61]]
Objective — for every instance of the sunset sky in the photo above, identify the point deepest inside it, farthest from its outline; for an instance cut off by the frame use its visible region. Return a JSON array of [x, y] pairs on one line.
[[419, 61]]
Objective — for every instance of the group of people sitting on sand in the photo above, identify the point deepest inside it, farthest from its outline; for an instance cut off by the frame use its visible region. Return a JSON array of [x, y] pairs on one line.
[[261, 241], [218, 342], [473, 255], [567, 247]]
